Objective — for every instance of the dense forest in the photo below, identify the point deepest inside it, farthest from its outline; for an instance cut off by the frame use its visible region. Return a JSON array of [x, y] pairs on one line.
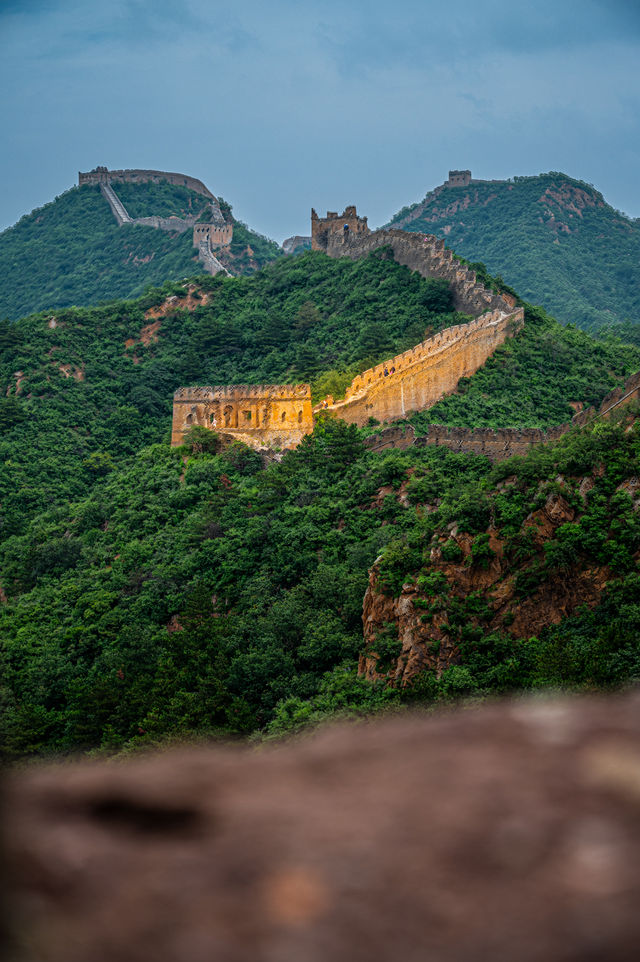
[[149, 592], [72, 251], [553, 238]]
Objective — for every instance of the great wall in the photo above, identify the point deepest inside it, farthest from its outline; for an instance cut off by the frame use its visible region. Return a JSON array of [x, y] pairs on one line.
[[271, 415], [418, 378], [281, 415], [207, 237], [412, 381], [503, 443]]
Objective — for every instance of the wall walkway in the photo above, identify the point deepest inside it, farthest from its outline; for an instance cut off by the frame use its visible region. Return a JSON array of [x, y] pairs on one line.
[[503, 443], [118, 209], [420, 377]]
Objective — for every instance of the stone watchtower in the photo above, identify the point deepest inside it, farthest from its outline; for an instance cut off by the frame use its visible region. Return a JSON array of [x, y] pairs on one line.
[[346, 225], [458, 178]]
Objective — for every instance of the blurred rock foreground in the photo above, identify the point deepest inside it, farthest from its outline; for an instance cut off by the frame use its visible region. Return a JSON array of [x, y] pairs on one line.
[[508, 832]]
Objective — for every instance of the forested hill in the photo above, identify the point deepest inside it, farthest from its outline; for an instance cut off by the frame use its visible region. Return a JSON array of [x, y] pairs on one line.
[[554, 239], [81, 390], [72, 251], [148, 592]]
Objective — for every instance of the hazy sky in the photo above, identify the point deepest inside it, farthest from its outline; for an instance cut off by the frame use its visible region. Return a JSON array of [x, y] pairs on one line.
[[283, 105]]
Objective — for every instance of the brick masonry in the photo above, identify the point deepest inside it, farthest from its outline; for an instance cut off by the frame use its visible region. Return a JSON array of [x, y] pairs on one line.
[[262, 416]]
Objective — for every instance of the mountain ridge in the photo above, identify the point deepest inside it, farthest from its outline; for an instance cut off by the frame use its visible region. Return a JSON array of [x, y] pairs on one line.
[[551, 236], [73, 251]]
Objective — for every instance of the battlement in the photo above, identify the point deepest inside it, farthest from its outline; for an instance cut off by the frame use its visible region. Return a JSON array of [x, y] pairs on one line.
[[345, 225], [215, 235], [458, 178], [420, 377], [261, 415], [102, 175], [426, 254]]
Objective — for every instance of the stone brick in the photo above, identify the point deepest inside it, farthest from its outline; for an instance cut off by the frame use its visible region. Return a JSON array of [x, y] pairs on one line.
[[344, 225], [272, 415]]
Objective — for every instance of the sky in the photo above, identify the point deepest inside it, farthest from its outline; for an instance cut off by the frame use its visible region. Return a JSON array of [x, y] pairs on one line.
[[283, 105]]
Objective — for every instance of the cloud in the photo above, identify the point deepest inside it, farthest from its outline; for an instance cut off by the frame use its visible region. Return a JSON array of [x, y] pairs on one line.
[[284, 104]]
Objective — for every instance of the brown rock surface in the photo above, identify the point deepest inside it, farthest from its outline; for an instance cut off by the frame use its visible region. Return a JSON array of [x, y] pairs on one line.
[[509, 832], [421, 622]]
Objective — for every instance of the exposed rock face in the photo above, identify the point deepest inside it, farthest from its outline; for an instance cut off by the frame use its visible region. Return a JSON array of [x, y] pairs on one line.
[[508, 832], [421, 622]]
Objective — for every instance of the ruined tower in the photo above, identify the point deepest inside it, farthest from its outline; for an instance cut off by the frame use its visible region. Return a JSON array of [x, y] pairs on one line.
[[347, 224], [458, 178]]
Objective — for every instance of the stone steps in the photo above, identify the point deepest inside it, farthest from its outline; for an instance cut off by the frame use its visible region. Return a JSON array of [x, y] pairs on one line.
[[117, 207], [210, 262]]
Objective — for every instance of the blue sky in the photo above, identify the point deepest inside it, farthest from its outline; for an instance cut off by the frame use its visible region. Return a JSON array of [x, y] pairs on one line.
[[285, 105]]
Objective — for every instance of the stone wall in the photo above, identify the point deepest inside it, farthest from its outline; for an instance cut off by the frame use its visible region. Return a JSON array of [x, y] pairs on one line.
[[214, 235], [177, 225], [495, 445], [259, 415], [426, 254], [630, 391], [503, 443], [458, 178], [418, 378], [103, 175], [344, 225]]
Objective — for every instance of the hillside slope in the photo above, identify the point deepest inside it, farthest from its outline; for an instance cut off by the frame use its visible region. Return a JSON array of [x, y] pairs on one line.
[[97, 383], [72, 251], [553, 238], [147, 591]]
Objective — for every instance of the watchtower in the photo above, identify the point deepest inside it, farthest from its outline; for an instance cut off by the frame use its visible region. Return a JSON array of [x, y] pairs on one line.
[[458, 178], [347, 224]]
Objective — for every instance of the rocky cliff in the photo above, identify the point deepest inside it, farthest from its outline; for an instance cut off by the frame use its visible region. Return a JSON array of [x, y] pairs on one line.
[[516, 584]]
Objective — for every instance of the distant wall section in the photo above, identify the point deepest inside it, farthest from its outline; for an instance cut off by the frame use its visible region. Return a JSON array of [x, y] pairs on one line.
[[215, 235], [458, 178], [101, 175], [271, 415], [426, 254]]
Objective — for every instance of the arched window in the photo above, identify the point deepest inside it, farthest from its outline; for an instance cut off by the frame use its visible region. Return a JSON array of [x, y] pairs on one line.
[[283, 416]]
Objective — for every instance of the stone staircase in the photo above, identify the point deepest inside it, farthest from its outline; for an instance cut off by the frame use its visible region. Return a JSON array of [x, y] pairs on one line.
[[211, 263], [118, 209]]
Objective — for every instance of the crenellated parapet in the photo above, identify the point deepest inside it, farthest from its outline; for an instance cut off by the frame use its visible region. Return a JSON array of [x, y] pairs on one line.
[[420, 377], [426, 254], [343, 226], [261, 415]]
